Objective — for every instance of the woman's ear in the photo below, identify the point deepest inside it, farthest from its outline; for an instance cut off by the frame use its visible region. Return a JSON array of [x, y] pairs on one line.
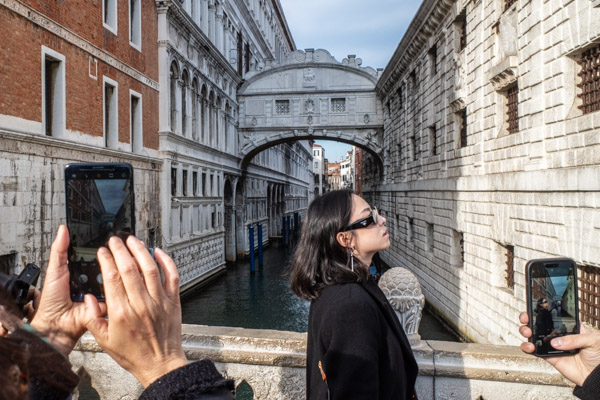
[[343, 239]]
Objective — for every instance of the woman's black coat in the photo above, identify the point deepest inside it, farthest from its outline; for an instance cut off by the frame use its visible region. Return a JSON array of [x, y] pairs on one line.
[[357, 348]]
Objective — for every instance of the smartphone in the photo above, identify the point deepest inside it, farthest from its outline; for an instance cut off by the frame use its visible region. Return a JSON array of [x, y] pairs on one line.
[[552, 303], [100, 204]]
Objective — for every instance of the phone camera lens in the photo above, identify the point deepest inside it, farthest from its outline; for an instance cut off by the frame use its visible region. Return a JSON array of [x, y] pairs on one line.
[[83, 278]]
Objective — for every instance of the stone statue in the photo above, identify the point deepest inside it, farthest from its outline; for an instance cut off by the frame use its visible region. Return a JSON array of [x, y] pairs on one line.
[[403, 291]]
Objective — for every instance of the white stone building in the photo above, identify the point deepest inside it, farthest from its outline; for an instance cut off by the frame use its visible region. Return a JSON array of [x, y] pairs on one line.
[[492, 154], [205, 50], [319, 171]]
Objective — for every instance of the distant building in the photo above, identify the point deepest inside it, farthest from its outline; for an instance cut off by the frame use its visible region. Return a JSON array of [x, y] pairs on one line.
[[334, 176], [357, 170], [319, 168]]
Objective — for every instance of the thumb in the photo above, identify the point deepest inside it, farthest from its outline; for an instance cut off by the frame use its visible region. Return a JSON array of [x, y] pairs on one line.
[[57, 264], [572, 342], [95, 322]]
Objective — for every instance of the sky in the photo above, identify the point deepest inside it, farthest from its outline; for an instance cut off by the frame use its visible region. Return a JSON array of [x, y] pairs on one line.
[[371, 30]]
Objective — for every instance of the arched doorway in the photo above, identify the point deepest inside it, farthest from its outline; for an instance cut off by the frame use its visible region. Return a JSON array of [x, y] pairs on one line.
[[230, 253]]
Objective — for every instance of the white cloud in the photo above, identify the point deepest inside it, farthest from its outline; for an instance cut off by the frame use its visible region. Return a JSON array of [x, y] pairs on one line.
[[369, 29]]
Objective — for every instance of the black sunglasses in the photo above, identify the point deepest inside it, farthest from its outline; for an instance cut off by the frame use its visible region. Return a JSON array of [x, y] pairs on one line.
[[363, 222]]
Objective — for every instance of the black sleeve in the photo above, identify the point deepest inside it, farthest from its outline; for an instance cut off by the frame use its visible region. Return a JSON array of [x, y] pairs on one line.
[[199, 380], [351, 341], [591, 387]]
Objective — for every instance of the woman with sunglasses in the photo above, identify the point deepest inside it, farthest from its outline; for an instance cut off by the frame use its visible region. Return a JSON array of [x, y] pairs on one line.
[[356, 346]]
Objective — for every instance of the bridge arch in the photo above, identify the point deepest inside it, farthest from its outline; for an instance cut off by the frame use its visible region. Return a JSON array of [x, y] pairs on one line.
[[310, 95]]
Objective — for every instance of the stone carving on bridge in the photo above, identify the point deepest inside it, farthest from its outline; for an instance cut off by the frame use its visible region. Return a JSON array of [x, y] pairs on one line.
[[320, 56], [309, 105], [366, 119], [403, 291], [309, 78]]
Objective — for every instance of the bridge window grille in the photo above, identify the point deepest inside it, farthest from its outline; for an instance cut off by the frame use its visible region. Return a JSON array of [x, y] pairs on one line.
[[589, 294], [338, 105], [282, 106], [433, 140], [512, 108], [508, 3], [461, 125], [400, 98], [590, 80], [461, 29], [433, 60], [510, 269]]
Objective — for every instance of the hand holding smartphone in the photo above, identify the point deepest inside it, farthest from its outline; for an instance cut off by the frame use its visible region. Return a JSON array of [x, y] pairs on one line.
[[100, 204], [552, 303]]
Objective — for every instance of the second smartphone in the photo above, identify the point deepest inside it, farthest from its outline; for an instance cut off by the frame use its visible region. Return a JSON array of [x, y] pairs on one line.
[[552, 303], [100, 204]]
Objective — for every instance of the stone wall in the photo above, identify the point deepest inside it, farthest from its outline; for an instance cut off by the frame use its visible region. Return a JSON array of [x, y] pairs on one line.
[[460, 205], [273, 364], [32, 195]]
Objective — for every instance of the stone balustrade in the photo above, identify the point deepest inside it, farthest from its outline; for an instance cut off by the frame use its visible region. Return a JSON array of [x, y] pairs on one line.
[[273, 363]]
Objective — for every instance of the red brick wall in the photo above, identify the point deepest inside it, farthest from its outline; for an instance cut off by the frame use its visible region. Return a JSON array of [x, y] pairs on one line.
[[21, 75], [84, 17]]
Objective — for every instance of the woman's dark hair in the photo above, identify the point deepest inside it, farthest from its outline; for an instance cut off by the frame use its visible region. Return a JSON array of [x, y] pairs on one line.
[[28, 363], [319, 260], [538, 306]]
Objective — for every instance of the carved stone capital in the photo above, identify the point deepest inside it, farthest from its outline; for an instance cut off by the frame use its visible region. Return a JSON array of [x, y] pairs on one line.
[[403, 291]]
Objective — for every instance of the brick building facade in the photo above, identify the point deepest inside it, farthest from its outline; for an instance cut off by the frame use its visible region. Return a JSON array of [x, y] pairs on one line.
[[76, 86]]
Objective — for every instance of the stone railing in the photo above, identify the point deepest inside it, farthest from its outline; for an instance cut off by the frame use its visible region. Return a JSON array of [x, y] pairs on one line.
[[273, 363]]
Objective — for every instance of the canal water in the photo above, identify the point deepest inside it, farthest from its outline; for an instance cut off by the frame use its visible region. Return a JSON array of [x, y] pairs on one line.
[[264, 300]]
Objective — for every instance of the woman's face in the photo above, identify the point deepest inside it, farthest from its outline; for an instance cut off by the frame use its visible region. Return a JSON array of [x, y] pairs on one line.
[[371, 239]]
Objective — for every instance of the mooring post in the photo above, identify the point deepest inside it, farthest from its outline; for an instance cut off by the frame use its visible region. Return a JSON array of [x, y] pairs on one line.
[[260, 246], [251, 239], [296, 225], [288, 226], [283, 230]]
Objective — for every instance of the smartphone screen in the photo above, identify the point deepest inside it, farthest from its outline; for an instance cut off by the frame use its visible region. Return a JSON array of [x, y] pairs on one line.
[[552, 302], [100, 205]]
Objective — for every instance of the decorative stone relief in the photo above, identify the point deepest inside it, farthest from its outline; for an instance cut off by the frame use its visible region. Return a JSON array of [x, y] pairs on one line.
[[366, 119], [309, 105], [403, 291], [309, 78]]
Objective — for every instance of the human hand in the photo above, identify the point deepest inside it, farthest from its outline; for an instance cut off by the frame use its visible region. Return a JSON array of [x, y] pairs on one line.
[[143, 331], [576, 367], [57, 317]]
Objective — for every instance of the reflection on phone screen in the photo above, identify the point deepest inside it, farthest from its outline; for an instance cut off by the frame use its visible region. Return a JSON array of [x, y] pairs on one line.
[[553, 299], [98, 209]]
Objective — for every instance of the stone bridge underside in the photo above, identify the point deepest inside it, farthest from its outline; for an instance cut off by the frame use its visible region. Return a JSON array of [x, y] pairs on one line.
[[310, 95]]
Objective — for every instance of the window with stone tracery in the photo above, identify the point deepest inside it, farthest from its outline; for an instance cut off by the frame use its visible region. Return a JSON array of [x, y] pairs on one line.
[[338, 105], [282, 106]]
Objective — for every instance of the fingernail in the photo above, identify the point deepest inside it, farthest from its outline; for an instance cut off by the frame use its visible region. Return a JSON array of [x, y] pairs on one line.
[[556, 342]]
